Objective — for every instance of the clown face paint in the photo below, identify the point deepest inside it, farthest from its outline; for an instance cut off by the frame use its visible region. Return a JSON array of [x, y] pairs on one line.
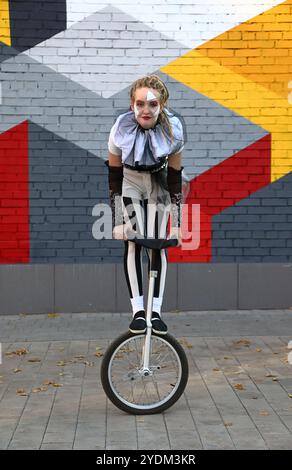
[[146, 105], [150, 96]]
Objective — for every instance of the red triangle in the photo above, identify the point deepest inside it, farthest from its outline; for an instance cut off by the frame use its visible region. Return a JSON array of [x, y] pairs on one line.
[[14, 195], [220, 187]]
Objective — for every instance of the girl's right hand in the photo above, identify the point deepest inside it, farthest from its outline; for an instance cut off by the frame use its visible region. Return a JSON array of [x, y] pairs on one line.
[[119, 232]]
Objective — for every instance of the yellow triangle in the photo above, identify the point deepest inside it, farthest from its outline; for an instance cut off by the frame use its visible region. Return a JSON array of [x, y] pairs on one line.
[[260, 49], [5, 35], [238, 92]]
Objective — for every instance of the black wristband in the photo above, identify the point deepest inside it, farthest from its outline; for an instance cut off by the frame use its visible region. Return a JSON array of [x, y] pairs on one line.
[[115, 177], [115, 181], [174, 183]]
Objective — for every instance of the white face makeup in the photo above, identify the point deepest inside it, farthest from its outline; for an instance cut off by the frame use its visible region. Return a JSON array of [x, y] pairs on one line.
[[146, 105]]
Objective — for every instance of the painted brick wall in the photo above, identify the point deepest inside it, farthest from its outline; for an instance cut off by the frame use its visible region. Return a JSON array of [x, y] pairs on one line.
[[66, 70]]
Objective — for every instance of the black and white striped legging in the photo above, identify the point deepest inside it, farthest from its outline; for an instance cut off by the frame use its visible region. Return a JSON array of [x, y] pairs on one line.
[[150, 222]]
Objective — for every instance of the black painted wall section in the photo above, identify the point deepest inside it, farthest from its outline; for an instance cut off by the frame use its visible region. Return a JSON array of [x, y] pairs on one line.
[[34, 21], [258, 228], [65, 183]]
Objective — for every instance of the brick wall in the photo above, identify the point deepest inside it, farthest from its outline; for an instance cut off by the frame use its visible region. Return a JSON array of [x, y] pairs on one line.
[[66, 70]]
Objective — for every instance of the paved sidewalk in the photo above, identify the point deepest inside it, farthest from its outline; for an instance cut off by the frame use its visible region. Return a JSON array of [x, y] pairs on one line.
[[239, 394]]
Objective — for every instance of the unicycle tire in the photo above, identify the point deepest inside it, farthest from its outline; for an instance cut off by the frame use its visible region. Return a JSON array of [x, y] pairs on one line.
[[112, 352]]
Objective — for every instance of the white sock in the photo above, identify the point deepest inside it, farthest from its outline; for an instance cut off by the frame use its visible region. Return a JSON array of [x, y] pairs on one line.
[[137, 303], [156, 307]]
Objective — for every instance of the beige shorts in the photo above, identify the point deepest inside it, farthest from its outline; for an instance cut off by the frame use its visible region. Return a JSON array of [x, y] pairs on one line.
[[141, 186]]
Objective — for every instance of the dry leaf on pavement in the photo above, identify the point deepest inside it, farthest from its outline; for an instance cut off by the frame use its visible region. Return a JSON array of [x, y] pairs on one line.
[[21, 392], [18, 352], [185, 343], [244, 342], [239, 387]]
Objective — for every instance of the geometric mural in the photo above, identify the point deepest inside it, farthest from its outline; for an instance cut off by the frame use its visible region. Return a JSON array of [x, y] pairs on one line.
[[65, 75], [222, 186]]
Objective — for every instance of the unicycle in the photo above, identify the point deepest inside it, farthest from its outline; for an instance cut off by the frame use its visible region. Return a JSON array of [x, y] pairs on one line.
[[145, 373]]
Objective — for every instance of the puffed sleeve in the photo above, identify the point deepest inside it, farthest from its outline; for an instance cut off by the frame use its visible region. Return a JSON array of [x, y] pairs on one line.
[[178, 133], [111, 145]]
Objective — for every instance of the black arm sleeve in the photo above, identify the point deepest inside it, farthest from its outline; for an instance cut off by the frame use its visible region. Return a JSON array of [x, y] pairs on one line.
[[115, 182], [174, 183]]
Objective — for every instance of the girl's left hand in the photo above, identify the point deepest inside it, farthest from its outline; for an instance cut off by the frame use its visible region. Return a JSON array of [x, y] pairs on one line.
[[175, 232]]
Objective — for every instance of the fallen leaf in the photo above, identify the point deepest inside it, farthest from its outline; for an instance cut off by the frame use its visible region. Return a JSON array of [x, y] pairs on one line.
[[275, 379], [89, 364], [270, 375], [185, 343], [34, 360], [258, 350], [98, 354], [57, 385], [17, 370], [53, 315], [61, 363], [244, 342], [18, 352], [226, 357], [264, 413], [22, 393], [239, 387], [216, 369], [228, 424], [290, 395]]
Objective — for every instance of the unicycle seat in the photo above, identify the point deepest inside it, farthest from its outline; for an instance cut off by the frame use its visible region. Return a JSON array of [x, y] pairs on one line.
[[152, 243]]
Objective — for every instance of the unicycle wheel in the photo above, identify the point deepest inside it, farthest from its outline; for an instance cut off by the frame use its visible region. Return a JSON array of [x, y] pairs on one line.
[[126, 385]]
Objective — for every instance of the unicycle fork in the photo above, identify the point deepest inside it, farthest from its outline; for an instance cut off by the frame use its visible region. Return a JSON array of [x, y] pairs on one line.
[[147, 345]]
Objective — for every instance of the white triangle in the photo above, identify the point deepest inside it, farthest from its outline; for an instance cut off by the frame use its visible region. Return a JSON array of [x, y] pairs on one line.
[[189, 22], [150, 96]]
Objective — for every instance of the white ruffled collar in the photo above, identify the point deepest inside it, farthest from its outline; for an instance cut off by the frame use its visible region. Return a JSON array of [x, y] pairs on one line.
[[146, 146]]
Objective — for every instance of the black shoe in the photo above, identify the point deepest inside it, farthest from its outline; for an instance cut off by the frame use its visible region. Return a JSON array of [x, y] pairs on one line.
[[158, 325], [138, 324]]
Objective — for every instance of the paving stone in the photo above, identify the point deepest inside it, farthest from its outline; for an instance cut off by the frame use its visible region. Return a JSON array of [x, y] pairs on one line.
[[72, 411]]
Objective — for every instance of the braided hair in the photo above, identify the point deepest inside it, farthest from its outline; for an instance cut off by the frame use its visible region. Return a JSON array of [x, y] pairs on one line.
[[155, 82]]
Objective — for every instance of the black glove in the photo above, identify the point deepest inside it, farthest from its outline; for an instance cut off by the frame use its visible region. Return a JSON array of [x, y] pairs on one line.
[[174, 183], [115, 181]]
